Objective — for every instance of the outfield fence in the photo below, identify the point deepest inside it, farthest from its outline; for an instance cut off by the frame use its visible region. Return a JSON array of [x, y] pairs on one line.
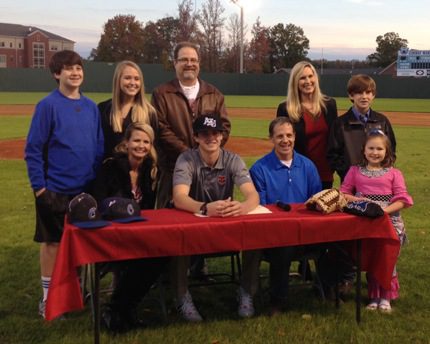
[[98, 78]]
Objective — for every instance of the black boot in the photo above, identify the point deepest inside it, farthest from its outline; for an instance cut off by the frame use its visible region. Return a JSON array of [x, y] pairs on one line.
[[113, 321], [120, 320]]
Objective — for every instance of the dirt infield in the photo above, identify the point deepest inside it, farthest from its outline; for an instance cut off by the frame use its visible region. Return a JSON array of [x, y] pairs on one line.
[[396, 118], [16, 109], [14, 149]]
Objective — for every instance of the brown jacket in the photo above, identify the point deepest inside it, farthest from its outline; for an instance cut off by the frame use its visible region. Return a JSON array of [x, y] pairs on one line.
[[176, 117], [347, 136]]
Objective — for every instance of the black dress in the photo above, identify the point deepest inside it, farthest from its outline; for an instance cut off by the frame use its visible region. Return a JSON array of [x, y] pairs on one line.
[[134, 277]]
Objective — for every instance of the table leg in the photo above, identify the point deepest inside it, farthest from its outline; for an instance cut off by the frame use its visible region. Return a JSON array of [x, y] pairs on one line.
[[358, 285], [96, 303], [336, 284]]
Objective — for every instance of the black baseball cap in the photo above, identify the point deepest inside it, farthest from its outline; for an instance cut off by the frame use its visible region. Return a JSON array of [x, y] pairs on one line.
[[207, 122], [83, 213], [122, 210]]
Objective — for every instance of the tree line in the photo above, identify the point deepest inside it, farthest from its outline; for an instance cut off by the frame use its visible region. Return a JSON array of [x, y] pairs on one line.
[[270, 48]]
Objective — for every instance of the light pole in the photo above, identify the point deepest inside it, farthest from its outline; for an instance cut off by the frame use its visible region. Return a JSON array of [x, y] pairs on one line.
[[322, 61], [236, 2]]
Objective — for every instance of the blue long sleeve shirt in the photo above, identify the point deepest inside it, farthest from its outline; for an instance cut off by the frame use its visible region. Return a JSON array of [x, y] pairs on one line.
[[64, 144], [276, 182]]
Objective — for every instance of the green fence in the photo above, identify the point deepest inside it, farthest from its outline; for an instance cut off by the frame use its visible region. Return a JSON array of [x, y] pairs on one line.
[[98, 78]]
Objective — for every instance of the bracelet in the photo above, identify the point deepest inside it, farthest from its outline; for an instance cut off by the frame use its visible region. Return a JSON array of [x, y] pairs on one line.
[[204, 209]]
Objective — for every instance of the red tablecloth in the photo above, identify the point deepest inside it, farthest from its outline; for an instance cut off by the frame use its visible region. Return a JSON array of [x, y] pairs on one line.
[[170, 232]]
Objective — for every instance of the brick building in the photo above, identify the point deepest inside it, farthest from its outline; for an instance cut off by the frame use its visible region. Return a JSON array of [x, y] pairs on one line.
[[28, 46]]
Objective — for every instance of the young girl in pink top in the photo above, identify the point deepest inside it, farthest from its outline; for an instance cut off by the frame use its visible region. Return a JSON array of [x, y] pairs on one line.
[[377, 180]]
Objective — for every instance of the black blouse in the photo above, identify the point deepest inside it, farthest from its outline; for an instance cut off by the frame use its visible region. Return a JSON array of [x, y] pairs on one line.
[[111, 138]]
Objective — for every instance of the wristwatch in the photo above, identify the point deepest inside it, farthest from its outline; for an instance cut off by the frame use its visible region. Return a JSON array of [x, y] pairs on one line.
[[204, 209]]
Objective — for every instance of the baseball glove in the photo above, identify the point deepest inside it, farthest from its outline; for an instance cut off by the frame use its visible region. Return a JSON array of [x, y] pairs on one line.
[[327, 201]]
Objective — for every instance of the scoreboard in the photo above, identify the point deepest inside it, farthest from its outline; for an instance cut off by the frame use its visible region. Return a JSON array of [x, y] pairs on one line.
[[411, 62]]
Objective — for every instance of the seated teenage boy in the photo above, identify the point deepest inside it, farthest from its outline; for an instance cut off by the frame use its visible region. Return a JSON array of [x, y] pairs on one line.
[[203, 182]]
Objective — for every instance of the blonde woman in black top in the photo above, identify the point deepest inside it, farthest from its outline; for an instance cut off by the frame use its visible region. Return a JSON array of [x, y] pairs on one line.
[[127, 105], [312, 114]]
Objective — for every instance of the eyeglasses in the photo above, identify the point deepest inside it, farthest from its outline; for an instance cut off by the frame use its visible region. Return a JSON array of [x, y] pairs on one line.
[[376, 132], [187, 60]]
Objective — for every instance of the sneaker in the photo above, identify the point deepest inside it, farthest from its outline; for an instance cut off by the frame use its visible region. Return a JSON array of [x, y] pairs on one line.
[[384, 306], [246, 305], [42, 307], [187, 309], [373, 305]]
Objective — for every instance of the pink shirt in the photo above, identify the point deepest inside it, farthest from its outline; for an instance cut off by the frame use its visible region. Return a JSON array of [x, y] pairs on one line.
[[390, 183]]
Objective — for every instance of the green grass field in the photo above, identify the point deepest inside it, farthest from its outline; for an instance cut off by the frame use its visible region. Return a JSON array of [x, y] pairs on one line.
[[308, 319], [13, 127], [382, 104]]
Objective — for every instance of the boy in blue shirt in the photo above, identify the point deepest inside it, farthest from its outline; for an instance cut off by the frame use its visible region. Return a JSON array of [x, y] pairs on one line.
[[63, 151]]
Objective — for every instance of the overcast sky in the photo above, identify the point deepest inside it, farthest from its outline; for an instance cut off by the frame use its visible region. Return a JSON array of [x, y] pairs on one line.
[[336, 29]]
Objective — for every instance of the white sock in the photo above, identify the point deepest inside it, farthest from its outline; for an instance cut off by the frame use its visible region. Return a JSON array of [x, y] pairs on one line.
[[46, 281]]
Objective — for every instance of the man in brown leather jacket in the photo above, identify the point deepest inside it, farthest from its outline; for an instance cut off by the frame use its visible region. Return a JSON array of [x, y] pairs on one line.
[[178, 103]]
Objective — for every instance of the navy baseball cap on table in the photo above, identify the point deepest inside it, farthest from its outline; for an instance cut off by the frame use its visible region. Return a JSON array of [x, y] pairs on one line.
[[83, 213], [122, 210], [207, 122], [364, 208]]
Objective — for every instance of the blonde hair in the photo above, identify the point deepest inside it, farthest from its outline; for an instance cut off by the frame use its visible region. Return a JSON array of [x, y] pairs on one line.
[[147, 129], [141, 109], [294, 106]]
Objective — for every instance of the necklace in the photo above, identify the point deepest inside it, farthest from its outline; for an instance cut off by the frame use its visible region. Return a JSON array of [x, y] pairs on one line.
[[373, 173]]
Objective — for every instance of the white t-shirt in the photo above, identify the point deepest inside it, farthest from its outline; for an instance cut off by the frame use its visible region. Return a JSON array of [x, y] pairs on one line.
[[287, 162], [191, 91]]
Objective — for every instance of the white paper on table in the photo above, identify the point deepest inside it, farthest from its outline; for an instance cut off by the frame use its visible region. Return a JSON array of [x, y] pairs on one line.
[[200, 215], [260, 210]]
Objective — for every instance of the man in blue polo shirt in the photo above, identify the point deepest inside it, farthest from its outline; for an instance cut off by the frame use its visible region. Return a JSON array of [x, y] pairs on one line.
[[287, 176]]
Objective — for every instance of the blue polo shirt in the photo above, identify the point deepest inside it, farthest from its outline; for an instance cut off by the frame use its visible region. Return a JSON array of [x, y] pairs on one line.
[[276, 182]]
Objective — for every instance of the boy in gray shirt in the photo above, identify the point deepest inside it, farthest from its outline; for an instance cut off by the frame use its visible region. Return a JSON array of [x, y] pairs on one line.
[[203, 183]]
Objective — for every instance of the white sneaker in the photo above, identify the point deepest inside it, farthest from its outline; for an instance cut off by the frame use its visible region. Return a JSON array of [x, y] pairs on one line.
[[246, 305], [187, 309], [42, 307]]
